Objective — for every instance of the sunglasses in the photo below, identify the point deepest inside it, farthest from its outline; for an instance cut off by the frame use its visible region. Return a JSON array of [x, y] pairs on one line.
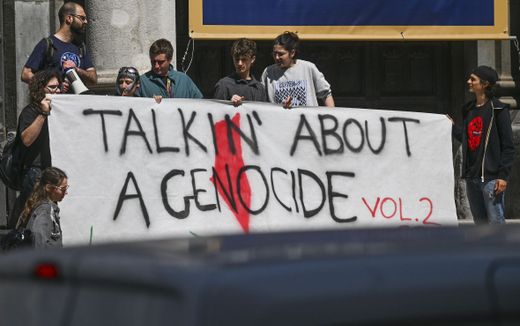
[[128, 70], [63, 189]]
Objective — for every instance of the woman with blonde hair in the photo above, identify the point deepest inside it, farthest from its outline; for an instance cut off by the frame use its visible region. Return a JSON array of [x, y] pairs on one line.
[[41, 211]]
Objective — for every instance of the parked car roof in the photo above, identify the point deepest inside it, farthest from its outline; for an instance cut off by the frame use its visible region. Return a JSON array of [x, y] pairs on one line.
[[348, 277]]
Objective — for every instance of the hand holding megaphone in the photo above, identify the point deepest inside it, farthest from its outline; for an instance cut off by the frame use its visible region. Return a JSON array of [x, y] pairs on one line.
[[77, 84]]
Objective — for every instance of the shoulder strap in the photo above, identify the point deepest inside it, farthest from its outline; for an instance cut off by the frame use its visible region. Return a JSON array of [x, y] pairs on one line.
[[82, 50], [49, 51], [21, 223], [498, 106]]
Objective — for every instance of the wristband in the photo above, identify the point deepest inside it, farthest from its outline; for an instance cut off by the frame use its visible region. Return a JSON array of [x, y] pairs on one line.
[[45, 114]]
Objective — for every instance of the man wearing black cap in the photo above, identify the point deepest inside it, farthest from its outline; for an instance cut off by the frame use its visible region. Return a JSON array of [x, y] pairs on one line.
[[487, 148]]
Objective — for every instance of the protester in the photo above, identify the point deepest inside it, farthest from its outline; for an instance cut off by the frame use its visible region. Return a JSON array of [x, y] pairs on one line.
[[241, 85], [127, 81], [162, 80], [41, 214], [292, 81], [487, 147], [34, 135], [64, 50]]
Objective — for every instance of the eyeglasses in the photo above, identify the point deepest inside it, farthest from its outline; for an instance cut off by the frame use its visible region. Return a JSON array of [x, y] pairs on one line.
[[53, 88], [63, 188], [81, 17]]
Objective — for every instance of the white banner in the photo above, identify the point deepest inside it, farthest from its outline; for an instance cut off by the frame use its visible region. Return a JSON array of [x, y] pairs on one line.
[[141, 170]]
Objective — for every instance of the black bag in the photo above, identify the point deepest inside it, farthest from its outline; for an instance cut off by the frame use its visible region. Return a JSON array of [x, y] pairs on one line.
[[16, 238], [11, 170]]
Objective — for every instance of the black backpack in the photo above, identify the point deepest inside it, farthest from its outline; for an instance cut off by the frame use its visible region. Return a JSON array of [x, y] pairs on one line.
[[16, 238], [50, 50], [11, 169]]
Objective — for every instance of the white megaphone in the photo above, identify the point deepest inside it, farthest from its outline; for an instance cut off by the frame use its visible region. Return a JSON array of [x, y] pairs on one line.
[[77, 84]]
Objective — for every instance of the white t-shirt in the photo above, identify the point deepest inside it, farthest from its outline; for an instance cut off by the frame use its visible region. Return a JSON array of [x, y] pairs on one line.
[[303, 82]]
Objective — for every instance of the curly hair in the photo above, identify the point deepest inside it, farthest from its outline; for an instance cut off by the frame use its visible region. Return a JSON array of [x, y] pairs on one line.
[[50, 176], [243, 47], [38, 82]]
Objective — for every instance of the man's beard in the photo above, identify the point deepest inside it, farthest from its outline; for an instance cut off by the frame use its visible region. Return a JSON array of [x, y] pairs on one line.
[[77, 31]]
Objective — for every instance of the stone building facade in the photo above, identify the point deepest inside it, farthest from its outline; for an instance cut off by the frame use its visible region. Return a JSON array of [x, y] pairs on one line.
[[418, 76]]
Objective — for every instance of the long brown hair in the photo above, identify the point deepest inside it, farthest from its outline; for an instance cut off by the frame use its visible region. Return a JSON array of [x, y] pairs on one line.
[[50, 176]]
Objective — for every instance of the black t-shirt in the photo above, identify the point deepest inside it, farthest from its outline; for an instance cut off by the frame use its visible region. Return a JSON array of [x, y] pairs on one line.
[[251, 90], [477, 122], [39, 153]]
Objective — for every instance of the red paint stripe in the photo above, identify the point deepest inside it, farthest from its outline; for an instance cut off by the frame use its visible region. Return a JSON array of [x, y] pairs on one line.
[[234, 162]]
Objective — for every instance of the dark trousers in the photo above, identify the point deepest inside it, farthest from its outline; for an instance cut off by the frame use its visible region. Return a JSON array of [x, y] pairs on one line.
[[28, 183]]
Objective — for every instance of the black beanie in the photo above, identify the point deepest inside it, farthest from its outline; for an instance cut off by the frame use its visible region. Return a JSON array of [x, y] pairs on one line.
[[486, 73]]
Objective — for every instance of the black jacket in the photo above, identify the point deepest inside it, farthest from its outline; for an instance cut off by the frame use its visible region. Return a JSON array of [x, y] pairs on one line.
[[500, 151]]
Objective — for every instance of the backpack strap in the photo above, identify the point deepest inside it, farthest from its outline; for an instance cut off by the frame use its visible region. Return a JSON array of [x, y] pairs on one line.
[[49, 51], [82, 50]]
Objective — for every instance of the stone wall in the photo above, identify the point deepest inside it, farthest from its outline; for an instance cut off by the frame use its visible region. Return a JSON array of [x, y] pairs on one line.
[[121, 32]]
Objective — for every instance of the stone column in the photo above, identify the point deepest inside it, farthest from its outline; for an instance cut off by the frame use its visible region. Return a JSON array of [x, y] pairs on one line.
[[32, 23], [497, 54], [120, 34]]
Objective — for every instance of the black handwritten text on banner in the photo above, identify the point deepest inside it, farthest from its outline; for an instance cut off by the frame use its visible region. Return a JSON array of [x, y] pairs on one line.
[[138, 169]]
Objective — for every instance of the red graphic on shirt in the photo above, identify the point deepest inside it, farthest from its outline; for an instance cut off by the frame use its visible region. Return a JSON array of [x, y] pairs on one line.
[[227, 166], [475, 127]]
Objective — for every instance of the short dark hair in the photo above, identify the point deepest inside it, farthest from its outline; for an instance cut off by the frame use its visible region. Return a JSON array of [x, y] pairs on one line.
[[68, 8], [39, 81], [289, 41], [162, 46], [243, 47]]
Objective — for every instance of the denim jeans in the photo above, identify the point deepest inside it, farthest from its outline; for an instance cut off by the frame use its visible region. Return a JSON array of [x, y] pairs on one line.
[[29, 180], [485, 206]]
